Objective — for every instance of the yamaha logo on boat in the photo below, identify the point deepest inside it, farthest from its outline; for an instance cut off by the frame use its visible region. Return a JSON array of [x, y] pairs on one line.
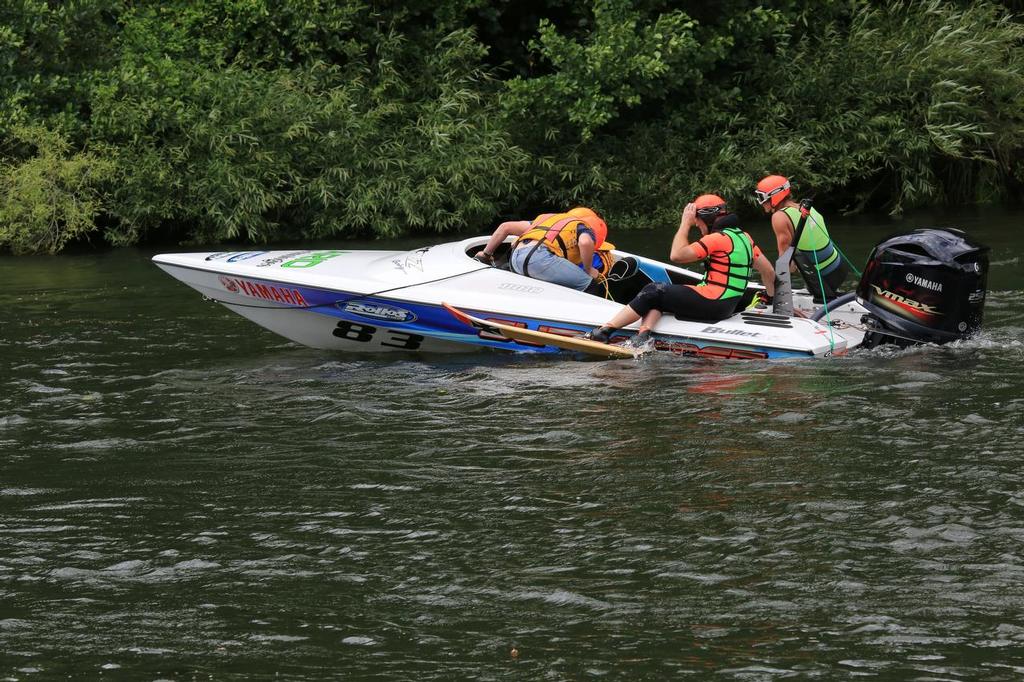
[[379, 312], [229, 284], [922, 282]]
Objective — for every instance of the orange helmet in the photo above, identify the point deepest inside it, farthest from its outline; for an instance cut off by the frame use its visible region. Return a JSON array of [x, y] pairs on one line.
[[774, 188], [593, 221], [709, 206]]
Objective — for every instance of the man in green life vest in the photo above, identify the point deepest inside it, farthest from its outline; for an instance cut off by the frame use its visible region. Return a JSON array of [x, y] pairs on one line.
[[820, 263]]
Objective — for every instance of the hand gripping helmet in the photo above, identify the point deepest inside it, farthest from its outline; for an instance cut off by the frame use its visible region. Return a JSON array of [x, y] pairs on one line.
[[774, 188], [709, 206]]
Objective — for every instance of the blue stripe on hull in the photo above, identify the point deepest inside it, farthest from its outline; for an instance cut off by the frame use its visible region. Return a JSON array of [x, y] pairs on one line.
[[436, 322]]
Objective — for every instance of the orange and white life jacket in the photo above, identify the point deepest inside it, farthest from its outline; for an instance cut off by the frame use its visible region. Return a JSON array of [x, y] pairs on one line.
[[559, 232]]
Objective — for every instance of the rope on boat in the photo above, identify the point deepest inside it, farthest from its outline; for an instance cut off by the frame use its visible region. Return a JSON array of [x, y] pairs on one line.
[[821, 288], [881, 331]]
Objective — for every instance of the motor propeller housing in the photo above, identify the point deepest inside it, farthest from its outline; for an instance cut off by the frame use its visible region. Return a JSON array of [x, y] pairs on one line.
[[924, 286]]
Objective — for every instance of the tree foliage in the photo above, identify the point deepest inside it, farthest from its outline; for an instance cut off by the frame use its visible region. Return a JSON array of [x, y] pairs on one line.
[[263, 120], [52, 196], [907, 105]]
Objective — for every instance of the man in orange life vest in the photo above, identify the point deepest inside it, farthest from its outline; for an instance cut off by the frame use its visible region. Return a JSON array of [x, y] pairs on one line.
[[554, 247], [729, 254]]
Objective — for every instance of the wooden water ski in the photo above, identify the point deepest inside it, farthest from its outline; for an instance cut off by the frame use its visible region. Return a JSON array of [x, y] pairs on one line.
[[573, 343]]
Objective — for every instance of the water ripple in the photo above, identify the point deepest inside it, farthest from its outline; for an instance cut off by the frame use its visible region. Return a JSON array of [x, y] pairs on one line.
[[184, 495]]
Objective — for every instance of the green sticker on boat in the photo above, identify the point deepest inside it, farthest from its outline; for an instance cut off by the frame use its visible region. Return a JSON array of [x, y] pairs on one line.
[[311, 260]]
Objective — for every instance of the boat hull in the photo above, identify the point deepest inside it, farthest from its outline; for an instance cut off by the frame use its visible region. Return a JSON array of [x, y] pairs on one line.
[[380, 301], [331, 319]]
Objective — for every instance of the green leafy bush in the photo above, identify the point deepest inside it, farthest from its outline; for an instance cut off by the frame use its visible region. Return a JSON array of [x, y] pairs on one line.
[[868, 108], [51, 197], [399, 144], [905, 105], [266, 120]]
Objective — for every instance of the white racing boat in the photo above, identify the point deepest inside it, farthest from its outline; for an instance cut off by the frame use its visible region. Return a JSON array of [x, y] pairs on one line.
[[374, 301]]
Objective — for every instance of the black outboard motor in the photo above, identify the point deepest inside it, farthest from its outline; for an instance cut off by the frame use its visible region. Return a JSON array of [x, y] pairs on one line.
[[926, 286]]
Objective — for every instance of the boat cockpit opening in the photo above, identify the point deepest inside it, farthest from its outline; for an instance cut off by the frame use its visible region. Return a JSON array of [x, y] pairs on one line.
[[501, 254]]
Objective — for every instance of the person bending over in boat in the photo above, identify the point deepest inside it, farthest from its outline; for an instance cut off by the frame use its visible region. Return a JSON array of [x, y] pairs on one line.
[[555, 247], [729, 255], [816, 256]]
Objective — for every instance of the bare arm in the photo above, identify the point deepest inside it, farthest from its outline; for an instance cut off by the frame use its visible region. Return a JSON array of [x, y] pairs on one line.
[[511, 227], [783, 228], [767, 272], [586, 245], [682, 251], [784, 233]]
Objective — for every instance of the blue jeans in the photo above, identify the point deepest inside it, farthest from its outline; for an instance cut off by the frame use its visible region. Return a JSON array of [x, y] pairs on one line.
[[549, 267]]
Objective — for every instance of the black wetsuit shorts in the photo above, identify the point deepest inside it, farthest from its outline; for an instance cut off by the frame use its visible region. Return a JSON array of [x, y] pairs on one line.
[[683, 301]]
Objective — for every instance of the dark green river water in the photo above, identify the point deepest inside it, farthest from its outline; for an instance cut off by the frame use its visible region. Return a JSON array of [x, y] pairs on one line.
[[186, 496]]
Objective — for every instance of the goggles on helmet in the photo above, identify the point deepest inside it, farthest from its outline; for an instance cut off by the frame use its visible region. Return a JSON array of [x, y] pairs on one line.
[[762, 197], [708, 213]]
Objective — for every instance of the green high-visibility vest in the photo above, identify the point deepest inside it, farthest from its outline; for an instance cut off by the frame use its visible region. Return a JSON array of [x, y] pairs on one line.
[[732, 272], [815, 247]]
